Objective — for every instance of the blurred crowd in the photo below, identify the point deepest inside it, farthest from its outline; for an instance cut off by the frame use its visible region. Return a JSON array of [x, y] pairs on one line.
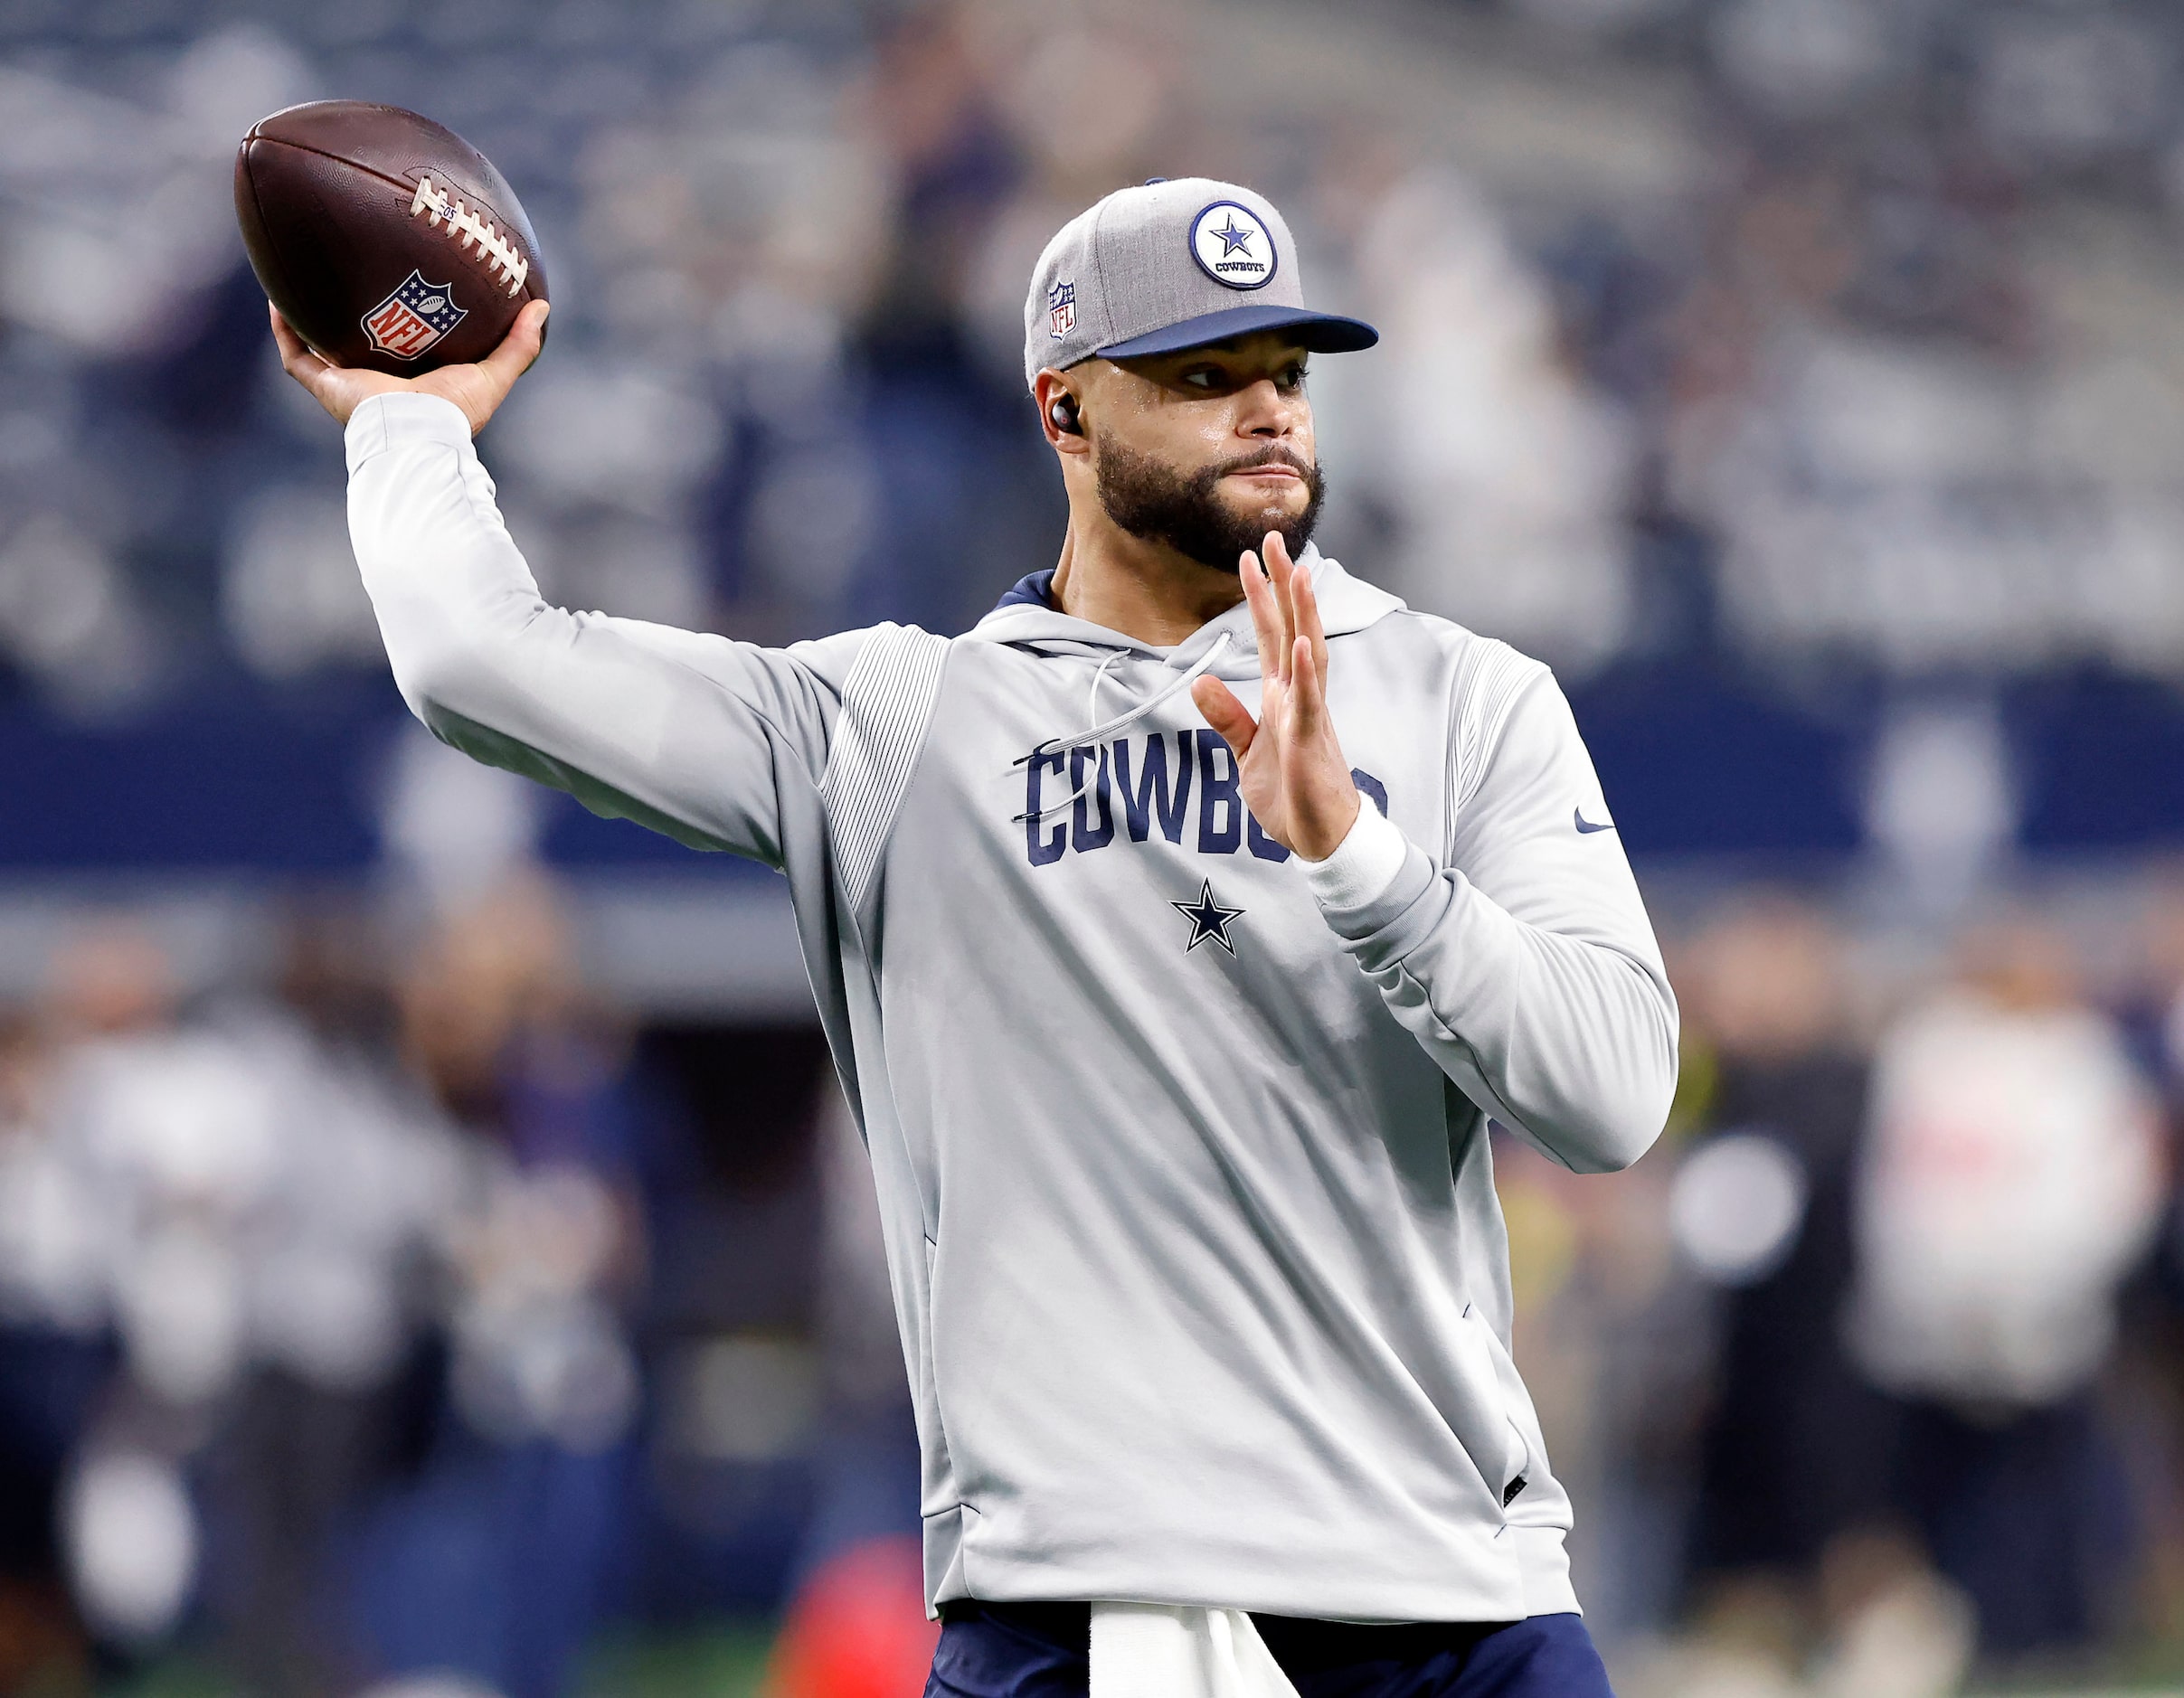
[[1827, 332], [406, 1316], [1871, 1375], [406, 1321]]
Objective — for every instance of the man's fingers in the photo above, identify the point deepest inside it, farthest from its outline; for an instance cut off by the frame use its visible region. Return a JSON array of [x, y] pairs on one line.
[[1224, 713], [1266, 619], [1307, 601], [1308, 693], [336, 390], [297, 357], [479, 389], [1283, 571], [518, 348]]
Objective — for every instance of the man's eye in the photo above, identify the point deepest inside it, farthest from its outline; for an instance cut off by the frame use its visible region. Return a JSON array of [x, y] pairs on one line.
[[1293, 378], [1203, 377]]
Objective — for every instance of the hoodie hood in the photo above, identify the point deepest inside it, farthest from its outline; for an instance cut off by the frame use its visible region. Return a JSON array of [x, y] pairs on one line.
[[1026, 618]]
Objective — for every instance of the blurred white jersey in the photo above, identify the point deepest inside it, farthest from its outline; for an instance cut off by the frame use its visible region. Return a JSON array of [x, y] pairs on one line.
[[2013, 1174]]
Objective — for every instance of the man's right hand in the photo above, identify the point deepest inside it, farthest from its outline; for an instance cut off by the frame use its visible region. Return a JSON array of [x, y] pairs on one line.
[[478, 390]]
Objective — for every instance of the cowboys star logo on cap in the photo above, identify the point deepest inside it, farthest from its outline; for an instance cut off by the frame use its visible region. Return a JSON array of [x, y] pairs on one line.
[[1232, 247], [1165, 266], [414, 317]]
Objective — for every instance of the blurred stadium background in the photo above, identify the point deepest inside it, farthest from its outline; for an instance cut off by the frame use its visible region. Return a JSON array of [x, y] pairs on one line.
[[432, 1255]]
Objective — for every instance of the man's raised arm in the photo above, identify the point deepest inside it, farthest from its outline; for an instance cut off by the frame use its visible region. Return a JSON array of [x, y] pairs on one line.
[[1525, 966], [693, 735]]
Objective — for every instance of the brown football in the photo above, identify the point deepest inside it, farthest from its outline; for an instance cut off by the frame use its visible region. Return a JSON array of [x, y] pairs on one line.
[[386, 240]]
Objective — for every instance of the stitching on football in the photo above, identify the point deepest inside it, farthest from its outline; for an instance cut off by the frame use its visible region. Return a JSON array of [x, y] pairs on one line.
[[468, 227]]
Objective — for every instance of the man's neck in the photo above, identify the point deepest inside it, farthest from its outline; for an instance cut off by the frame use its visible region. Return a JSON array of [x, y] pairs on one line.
[[1142, 589]]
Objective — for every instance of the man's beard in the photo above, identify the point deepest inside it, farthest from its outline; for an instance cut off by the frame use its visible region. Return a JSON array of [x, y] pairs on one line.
[[1153, 501]]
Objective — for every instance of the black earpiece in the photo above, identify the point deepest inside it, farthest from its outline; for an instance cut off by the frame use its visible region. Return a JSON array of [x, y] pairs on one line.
[[1063, 412]]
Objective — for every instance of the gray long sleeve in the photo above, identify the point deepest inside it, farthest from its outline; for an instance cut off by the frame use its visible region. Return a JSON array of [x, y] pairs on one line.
[[1527, 966], [693, 735]]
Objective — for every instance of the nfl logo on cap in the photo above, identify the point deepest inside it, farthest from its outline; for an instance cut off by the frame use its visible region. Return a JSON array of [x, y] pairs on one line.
[[1061, 310]]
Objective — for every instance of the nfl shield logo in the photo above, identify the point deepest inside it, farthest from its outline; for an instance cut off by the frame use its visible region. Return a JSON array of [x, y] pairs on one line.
[[1061, 310], [411, 319]]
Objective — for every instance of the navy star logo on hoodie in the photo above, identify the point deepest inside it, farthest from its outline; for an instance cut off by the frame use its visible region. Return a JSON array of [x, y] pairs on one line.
[[1208, 919]]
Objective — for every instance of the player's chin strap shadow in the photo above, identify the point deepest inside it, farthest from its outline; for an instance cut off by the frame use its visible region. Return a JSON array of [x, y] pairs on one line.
[[1100, 733]]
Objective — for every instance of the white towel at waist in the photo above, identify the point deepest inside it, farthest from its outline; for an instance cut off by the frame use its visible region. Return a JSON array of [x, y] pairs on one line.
[[1175, 1651]]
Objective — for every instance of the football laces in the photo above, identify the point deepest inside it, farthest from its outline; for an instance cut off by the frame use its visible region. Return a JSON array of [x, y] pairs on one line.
[[470, 232]]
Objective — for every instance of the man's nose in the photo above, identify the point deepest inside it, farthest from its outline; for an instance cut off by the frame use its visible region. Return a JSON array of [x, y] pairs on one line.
[[1267, 411]]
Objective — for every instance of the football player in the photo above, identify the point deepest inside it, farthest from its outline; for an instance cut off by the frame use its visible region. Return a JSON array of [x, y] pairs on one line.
[[1178, 931]]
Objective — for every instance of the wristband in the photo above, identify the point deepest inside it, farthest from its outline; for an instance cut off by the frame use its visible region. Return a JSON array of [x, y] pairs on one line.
[[1364, 864]]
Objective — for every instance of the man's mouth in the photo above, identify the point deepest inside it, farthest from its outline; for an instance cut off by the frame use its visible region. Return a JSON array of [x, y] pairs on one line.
[[1274, 464]]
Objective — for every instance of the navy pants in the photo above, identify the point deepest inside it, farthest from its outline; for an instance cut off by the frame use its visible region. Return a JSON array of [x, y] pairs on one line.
[[1038, 1651]]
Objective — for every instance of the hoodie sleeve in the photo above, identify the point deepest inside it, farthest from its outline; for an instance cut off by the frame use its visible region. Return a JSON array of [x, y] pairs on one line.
[[693, 735], [1525, 966]]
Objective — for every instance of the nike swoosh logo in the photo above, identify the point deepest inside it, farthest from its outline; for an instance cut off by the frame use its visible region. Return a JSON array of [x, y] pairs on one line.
[[1585, 825]]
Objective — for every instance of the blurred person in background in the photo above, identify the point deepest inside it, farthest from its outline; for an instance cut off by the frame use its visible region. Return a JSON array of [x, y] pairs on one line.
[[1790, 1549], [53, 1360], [2152, 1009], [1506, 476], [167, 1141], [2013, 1177], [2153, 1004], [345, 1250], [241, 1198], [499, 1559]]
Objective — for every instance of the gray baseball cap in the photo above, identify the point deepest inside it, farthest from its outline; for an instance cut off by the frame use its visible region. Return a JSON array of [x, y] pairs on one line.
[[1174, 263]]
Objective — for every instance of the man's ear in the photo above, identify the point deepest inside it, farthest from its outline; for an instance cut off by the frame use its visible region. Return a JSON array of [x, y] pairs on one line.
[[1061, 416]]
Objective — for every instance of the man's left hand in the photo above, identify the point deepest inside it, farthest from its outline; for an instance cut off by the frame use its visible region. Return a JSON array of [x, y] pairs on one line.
[[1295, 777]]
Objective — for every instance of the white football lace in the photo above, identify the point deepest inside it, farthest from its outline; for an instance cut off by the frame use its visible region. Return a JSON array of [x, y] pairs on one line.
[[1101, 732], [467, 227]]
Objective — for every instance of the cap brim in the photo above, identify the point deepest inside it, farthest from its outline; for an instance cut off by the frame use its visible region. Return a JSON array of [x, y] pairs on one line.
[[1320, 333]]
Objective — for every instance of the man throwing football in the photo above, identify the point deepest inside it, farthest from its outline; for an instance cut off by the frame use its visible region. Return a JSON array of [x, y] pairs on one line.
[[1178, 930]]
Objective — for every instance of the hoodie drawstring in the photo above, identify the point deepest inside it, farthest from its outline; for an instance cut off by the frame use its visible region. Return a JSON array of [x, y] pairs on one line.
[[1100, 733]]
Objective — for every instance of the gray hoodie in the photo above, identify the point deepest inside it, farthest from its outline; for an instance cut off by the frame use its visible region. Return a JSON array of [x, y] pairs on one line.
[[1201, 1275]]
